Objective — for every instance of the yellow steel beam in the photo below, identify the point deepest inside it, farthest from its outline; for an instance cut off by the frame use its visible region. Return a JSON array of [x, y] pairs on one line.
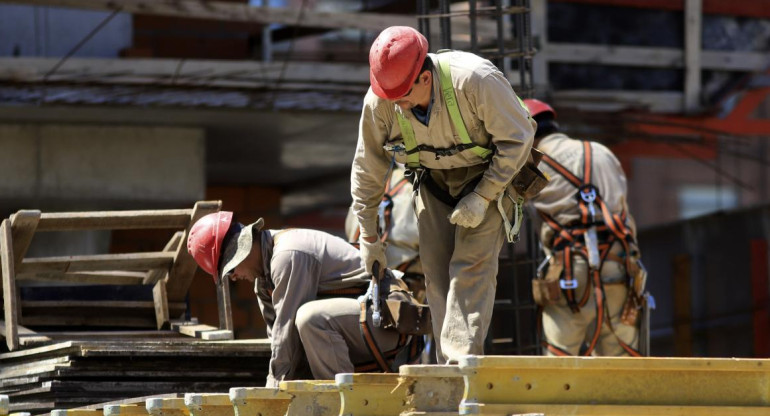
[[506, 383], [616, 410], [166, 407], [77, 412], [209, 404], [263, 401], [432, 389], [125, 410], [371, 394], [312, 398]]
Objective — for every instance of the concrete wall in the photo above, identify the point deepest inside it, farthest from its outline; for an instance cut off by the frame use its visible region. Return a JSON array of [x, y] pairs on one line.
[[54, 31], [88, 167]]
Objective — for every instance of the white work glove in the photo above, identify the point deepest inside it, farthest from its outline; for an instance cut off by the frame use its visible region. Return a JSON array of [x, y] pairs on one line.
[[469, 211], [371, 252]]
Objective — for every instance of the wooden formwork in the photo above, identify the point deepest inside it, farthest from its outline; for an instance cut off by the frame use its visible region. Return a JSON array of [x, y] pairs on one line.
[[169, 272], [615, 385], [312, 398], [166, 407], [432, 390], [259, 401], [371, 394], [209, 404]]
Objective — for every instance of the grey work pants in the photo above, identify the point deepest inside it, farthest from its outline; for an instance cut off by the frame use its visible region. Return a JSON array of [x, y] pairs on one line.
[[331, 336], [460, 266]]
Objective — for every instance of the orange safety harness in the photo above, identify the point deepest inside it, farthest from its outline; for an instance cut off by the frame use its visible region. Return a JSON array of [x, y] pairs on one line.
[[605, 230]]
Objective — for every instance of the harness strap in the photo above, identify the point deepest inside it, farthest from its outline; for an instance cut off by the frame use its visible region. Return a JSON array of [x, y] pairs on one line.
[[407, 349], [450, 99]]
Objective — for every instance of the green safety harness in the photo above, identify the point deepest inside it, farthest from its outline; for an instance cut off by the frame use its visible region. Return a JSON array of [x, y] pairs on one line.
[[412, 149]]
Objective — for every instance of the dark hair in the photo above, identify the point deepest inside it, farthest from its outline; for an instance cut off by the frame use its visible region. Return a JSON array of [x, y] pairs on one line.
[[427, 65], [545, 125]]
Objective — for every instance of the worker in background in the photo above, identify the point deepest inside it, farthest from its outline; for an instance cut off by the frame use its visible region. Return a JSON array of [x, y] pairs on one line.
[[462, 165], [291, 269], [591, 291]]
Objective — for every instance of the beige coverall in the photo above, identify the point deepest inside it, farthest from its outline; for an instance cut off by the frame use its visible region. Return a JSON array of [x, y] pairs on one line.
[[563, 328], [301, 264], [460, 264]]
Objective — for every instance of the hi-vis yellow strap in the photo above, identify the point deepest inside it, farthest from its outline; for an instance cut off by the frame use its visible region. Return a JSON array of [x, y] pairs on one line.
[[448, 92]]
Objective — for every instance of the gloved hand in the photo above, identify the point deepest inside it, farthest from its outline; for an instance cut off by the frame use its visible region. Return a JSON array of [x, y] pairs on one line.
[[371, 252], [469, 211]]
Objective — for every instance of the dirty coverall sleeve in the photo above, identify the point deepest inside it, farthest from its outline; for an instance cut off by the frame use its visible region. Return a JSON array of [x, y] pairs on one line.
[[510, 126], [370, 164], [295, 276]]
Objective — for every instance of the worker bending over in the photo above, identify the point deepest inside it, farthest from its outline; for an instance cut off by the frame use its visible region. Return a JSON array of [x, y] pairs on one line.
[[453, 119], [292, 269]]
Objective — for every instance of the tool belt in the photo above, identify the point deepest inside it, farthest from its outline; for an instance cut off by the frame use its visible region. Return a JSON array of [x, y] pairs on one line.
[[403, 312], [545, 289], [530, 180]]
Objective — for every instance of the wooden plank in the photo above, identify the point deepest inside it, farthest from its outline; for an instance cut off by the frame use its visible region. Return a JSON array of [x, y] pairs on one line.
[[158, 278], [693, 22], [234, 12], [98, 262], [153, 276], [10, 296], [746, 8], [224, 306], [617, 100], [206, 332], [160, 301], [181, 275], [650, 57], [294, 16], [241, 74], [99, 277], [23, 226], [114, 220]]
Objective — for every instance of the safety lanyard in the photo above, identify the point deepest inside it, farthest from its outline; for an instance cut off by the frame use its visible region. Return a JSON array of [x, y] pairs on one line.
[[450, 99]]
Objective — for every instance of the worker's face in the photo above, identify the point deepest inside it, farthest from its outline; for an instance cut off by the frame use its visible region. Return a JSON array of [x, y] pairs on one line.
[[250, 268], [419, 94]]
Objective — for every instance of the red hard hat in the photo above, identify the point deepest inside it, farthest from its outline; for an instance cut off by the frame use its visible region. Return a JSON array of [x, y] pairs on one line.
[[395, 61], [538, 107], [205, 240]]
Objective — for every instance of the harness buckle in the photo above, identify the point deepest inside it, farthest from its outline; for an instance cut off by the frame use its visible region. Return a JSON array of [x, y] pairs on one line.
[[568, 284], [588, 194]]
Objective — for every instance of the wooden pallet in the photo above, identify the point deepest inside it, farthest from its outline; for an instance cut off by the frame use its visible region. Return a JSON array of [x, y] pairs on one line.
[[167, 273]]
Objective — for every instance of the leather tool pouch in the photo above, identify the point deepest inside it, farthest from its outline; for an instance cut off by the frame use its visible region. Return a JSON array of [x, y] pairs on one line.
[[530, 180], [403, 312], [546, 291]]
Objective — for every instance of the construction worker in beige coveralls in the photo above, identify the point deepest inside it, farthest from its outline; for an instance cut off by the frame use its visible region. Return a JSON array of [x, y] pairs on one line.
[[569, 318], [460, 226], [291, 268]]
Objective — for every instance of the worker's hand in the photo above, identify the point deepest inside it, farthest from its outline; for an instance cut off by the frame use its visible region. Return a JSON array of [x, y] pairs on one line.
[[469, 211], [371, 252]]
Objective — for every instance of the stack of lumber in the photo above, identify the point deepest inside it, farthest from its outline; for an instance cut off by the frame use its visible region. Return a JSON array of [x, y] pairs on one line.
[[79, 373]]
